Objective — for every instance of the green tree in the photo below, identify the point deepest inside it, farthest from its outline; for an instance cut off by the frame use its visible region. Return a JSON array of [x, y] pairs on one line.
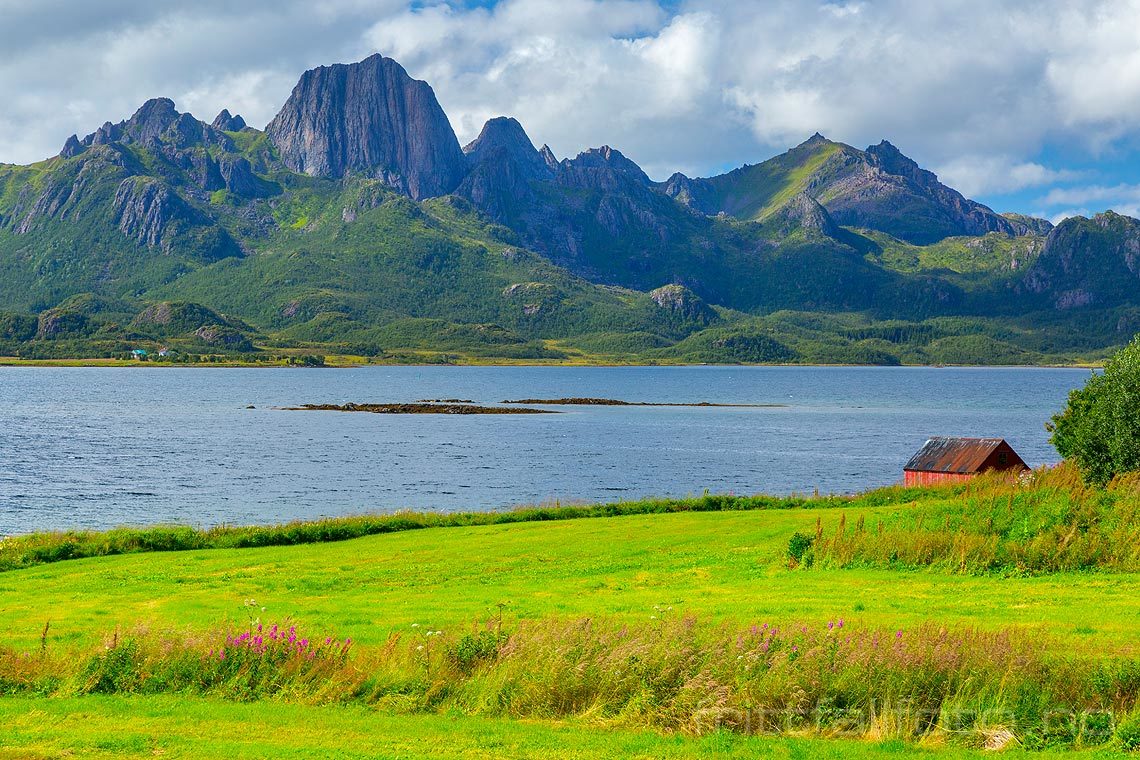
[[1100, 428]]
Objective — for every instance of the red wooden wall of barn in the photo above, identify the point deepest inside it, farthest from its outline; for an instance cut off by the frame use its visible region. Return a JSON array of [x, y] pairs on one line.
[[911, 478]]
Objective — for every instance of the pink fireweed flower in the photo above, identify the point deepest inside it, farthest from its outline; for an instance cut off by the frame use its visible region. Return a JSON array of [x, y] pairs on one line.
[[840, 624], [898, 635]]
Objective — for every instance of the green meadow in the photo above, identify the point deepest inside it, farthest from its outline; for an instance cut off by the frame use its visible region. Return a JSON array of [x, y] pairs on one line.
[[599, 636], [111, 727]]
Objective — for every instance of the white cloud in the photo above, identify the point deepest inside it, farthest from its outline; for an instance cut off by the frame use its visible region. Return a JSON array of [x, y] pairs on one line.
[[975, 175], [1086, 200], [577, 74], [1092, 194], [973, 87]]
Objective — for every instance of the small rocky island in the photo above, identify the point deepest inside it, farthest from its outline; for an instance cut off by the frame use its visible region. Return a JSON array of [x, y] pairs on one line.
[[617, 402], [417, 408]]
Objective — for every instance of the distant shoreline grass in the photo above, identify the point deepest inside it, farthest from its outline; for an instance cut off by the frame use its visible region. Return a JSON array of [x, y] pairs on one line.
[[349, 362], [32, 549]]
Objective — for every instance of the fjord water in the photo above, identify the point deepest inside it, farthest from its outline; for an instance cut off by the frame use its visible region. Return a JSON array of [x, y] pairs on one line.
[[99, 447]]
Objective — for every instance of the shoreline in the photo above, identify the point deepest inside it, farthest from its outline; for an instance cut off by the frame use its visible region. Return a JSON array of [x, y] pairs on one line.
[[345, 363]]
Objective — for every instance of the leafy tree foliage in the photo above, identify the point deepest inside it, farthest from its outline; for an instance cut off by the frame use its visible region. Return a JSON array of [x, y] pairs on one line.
[[1100, 428]]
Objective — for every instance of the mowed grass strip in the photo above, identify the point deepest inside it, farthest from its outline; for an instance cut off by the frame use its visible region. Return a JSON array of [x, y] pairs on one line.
[[32, 549], [177, 727], [729, 566]]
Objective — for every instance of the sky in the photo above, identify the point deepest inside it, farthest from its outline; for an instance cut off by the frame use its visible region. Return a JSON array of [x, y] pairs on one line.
[[1030, 106]]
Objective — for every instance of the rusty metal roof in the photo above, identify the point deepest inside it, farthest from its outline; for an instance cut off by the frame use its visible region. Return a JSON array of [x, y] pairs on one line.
[[960, 455]]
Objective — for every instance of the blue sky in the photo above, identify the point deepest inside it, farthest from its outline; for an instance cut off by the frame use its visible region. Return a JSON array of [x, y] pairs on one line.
[[1026, 106], [1098, 179]]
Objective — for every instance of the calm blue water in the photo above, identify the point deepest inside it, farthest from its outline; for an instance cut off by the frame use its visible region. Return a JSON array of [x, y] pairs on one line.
[[96, 448]]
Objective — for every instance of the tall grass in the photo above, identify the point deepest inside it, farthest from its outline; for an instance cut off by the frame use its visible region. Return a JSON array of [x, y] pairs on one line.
[[1048, 521], [675, 674], [40, 548]]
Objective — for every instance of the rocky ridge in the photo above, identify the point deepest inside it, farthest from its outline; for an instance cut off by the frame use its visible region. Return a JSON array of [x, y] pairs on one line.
[[369, 118]]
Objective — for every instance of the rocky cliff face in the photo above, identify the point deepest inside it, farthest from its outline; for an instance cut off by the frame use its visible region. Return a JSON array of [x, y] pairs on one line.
[[602, 168], [1033, 224], [151, 213], [889, 192], [681, 302], [597, 213], [157, 125], [878, 188], [804, 213], [227, 123], [62, 194], [1088, 262], [504, 164], [369, 118]]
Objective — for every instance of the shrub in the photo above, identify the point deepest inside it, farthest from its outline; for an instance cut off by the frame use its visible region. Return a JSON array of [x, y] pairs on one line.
[[798, 546], [1100, 428], [475, 648], [1128, 733]]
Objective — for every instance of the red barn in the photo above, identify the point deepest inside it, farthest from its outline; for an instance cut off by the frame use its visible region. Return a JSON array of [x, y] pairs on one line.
[[948, 460]]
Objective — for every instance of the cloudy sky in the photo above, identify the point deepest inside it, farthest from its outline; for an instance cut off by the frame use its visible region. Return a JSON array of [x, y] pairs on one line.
[[1026, 105]]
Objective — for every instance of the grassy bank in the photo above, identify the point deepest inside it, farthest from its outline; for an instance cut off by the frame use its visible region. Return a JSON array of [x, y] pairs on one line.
[[1049, 522], [42, 548], [661, 618]]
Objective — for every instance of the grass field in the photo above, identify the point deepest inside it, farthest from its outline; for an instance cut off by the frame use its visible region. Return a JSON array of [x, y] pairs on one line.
[[109, 727], [724, 569]]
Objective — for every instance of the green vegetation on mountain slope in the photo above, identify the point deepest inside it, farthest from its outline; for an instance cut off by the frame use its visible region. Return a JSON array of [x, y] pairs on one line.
[[200, 242]]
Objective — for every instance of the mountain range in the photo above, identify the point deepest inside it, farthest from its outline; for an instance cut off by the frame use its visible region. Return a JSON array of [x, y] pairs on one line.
[[355, 222]]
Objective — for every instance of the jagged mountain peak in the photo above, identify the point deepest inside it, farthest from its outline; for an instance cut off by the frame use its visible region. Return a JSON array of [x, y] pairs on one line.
[[228, 123], [891, 160], [503, 140], [72, 147], [549, 157], [878, 188], [500, 132], [503, 163], [369, 118], [609, 158], [156, 123], [815, 139]]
